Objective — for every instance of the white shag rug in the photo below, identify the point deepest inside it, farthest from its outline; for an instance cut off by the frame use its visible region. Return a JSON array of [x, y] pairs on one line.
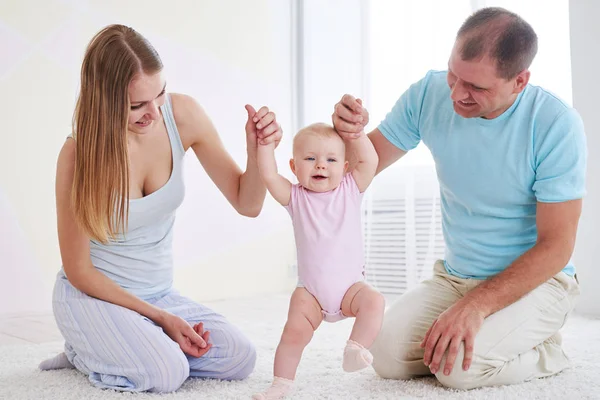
[[320, 374]]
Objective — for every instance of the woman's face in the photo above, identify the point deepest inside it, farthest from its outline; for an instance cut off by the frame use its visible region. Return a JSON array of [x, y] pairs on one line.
[[146, 95]]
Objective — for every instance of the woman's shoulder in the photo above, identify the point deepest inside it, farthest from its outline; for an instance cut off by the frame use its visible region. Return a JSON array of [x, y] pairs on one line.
[[190, 117], [65, 165], [68, 152], [186, 109]]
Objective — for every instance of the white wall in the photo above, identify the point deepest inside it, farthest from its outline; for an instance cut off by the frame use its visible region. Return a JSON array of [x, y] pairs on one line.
[[333, 56], [585, 58], [551, 68], [224, 53]]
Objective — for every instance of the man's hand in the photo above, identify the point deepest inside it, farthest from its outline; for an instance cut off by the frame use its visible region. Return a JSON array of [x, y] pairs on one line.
[[349, 117], [461, 322]]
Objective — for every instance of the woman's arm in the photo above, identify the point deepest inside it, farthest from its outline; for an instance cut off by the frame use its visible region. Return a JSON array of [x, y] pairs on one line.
[[245, 191], [75, 253]]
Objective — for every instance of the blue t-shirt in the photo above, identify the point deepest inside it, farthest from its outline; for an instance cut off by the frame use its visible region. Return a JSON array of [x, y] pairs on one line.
[[492, 171]]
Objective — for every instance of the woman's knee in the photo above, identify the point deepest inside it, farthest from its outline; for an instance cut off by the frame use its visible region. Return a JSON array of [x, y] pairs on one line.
[[168, 373], [242, 360]]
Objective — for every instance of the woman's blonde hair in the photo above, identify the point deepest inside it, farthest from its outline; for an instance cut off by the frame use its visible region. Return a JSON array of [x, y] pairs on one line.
[[100, 194]]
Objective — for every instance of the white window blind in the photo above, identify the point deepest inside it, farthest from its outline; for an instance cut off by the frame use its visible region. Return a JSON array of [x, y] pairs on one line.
[[402, 228]]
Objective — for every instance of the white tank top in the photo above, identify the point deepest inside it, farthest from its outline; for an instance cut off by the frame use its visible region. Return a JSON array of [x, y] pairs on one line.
[[141, 259]]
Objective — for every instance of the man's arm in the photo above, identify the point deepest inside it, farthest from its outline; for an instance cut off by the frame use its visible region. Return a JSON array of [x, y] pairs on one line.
[[388, 153], [557, 228]]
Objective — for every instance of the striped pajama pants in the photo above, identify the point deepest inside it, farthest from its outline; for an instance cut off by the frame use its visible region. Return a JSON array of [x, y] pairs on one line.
[[117, 348]]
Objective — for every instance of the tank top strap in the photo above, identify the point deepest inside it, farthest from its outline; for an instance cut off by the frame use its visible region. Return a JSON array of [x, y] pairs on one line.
[[175, 139]]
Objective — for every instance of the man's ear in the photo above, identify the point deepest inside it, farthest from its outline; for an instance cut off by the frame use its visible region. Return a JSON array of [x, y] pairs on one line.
[[521, 81]]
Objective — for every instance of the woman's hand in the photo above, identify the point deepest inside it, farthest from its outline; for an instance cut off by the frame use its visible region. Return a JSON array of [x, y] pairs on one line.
[[199, 329], [191, 340], [261, 128]]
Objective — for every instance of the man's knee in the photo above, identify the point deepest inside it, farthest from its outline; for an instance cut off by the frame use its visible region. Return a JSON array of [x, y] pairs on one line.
[[398, 363], [393, 369], [459, 379]]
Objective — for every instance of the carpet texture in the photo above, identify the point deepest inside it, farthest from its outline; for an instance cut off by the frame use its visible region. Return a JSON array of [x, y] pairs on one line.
[[320, 375]]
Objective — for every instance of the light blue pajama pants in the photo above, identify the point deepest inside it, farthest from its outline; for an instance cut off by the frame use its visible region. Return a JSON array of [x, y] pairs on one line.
[[120, 349]]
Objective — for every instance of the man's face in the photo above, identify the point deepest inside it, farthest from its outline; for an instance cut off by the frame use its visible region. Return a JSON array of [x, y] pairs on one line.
[[477, 91]]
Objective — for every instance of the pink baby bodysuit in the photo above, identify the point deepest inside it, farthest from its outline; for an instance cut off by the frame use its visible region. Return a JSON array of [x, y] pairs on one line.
[[328, 232]]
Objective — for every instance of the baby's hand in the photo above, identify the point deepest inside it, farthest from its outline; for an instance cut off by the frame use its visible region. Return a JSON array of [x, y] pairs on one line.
[[262, 126]]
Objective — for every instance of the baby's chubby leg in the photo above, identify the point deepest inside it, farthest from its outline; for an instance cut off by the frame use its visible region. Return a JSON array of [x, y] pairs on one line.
[[304, 316], [367, 305]]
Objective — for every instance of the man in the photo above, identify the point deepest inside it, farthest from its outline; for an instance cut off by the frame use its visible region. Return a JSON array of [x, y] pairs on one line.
[[510, 159]]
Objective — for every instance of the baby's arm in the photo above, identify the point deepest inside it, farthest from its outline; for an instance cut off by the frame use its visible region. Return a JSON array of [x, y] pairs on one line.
[[279, 187], [365, 158]]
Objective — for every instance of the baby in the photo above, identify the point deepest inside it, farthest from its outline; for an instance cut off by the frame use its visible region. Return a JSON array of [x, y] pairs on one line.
[[325, 210]]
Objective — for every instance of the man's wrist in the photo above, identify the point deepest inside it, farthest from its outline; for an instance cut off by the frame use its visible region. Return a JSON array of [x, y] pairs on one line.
[[478, 304]]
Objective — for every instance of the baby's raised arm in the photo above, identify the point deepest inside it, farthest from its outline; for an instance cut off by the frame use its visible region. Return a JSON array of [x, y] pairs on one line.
[[279, 187], [365, 160]]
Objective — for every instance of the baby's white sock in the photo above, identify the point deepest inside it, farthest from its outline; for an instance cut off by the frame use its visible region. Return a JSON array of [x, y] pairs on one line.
[[280, 388], [356, 357], [57, 362]]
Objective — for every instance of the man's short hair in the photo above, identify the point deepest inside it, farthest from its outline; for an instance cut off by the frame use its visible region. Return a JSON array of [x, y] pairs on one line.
[[501, 35]]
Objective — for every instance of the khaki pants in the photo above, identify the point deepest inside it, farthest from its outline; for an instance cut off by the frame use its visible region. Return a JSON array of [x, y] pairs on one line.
[[516, 344]]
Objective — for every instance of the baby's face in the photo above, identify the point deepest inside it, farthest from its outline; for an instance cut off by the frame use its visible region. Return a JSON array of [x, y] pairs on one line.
[[319, 162]]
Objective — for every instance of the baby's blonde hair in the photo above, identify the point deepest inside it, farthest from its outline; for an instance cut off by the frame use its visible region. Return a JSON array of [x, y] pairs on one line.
[[319, 129]]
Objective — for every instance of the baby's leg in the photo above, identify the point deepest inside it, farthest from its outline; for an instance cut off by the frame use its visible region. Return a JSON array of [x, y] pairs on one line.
[[367, 305], [304, 316]]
